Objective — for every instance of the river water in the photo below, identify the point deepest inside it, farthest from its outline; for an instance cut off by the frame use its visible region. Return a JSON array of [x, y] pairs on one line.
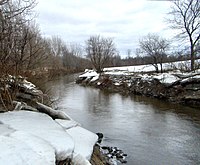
[[150, 131]]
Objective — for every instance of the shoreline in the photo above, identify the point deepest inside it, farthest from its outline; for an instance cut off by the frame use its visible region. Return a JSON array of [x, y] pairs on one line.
[[34, 132], [31, 122], [173, 87]]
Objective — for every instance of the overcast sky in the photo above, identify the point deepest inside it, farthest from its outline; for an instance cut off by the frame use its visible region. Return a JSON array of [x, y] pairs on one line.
[[124, 20]]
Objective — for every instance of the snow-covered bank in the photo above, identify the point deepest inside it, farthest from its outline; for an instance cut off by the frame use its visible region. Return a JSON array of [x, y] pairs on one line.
[[35, 138], [33, 133], [174, 86]]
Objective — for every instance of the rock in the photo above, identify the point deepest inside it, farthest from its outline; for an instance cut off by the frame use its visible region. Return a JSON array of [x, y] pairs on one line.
[[100, 137], [114, 153]]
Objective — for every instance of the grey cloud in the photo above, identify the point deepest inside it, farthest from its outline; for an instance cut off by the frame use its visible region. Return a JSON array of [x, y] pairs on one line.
[[76, 20]]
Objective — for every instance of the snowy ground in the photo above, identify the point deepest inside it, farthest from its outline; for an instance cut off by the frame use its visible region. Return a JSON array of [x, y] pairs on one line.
[[148, 68], [141, 71], [34, 138]]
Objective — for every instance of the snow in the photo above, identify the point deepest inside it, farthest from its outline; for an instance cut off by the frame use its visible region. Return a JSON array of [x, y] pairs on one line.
[[142, 72], [43, 150], [66, 124], [95, 78], [84, 141], [18, 147], [117, 72], [42, 126], [190, 78], [129, 69], [117, 84], [89, 73], [22, 148], [79, 160], [28, 137], [5, 130], [166, 78], [28, 85], [145, 77], [146, 68], [35, 138]]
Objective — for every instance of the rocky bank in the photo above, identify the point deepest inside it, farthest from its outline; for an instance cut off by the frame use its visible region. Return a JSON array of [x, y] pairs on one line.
[[176, 87]]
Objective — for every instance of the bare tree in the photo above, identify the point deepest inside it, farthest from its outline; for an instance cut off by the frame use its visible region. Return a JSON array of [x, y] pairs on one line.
[[72, 56], [57, 46], [185, 16], [14, 15], [99, 50], [76, 49], [35, 48], [155, 47]]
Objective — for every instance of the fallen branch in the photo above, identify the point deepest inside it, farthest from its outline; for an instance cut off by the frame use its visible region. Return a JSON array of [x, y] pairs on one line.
[[55, 114]]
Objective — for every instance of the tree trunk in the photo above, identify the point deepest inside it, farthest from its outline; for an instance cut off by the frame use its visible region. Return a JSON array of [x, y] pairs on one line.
[[192, 54], [161, 68], [156, 67]]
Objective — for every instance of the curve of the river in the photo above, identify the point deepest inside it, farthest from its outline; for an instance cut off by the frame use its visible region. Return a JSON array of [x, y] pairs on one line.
[[150, 131]]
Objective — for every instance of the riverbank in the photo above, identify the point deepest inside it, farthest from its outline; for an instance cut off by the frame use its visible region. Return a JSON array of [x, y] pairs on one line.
[[173, 86], [34, 133]]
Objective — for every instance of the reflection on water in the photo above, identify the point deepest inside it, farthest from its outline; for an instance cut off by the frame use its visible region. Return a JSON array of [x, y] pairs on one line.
[[152, 132]]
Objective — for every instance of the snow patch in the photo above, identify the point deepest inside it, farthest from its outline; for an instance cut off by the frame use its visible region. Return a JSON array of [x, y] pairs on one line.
[[190, 78], [35, 138], [66, 124], [80, 160], [147, 68], [28, 85], [23, 148], [117, 84], [94, 78], [89, 73], [43, 127], [166, 78], [84, 141]]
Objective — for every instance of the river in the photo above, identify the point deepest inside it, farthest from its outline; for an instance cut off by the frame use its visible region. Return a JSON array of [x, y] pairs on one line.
[[150, 131]]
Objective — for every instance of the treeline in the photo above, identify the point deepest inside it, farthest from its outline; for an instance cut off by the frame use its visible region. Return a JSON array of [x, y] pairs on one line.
[[143, 60], [22, 47]]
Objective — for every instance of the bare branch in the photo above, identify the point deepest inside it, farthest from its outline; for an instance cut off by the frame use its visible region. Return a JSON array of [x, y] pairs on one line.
[[100, 50], [154, 46], [186, 18]]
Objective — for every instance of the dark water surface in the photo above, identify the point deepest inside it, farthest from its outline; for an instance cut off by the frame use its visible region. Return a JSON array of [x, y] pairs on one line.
[[150, 131]]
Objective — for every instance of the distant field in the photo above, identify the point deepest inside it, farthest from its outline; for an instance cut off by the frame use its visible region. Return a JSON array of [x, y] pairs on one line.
[[181, 65]]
